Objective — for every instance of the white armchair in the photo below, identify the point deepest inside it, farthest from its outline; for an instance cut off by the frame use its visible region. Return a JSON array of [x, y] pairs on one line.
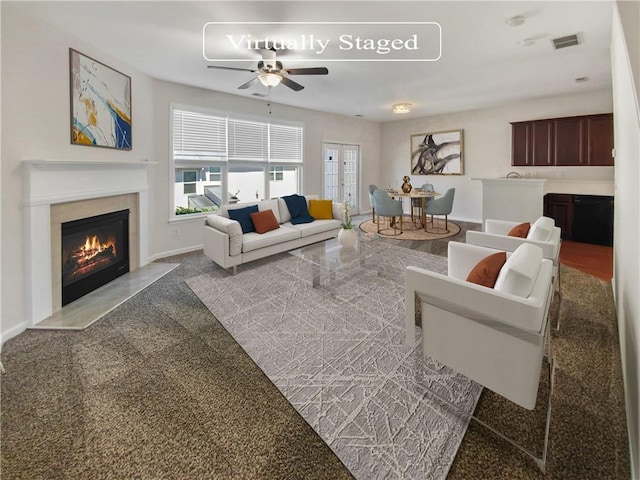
[[547, 237], [495, 236], [494, 336]]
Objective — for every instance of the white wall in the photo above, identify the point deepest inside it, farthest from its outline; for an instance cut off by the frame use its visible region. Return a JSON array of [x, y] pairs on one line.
[[487, 146], [36, 125], [319, 127], [0, 202], [627, 208]]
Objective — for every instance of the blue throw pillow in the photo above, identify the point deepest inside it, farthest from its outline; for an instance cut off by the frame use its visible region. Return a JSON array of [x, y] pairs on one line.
[[243, 216], [297, 206]]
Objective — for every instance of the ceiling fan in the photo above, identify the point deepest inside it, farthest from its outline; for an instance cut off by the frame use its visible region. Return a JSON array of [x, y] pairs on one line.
[[271, 72]]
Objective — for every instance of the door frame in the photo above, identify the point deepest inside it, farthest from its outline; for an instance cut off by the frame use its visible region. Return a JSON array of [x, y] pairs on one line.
[[355, 209]]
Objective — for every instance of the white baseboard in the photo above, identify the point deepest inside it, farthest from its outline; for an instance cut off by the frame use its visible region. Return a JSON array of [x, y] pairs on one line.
[[12, 332], [171, 253]]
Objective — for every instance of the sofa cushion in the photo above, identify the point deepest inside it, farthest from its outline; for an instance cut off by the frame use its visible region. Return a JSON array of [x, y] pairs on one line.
[[319, 226], [321, 209], [224, 209], [520, 271], [285, 216], [298, 209], [231, 228], [271, 205], [264, 221], [254, 241], [486, 271], [542, 229], [520, 230], [243, 216]]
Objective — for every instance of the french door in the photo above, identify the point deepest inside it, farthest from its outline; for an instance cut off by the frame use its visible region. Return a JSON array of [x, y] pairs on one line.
[[340, 173]]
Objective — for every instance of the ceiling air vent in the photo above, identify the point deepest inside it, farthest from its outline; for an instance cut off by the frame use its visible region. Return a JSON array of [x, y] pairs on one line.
[[568, 41]]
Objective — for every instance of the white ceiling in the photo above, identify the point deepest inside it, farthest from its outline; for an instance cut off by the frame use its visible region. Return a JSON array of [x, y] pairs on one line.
[[482, 62]]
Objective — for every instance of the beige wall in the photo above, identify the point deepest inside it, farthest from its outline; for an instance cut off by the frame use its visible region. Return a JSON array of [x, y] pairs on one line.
[[318, 127], [35, 125], [487, 146], [35, 98], [625, 52]]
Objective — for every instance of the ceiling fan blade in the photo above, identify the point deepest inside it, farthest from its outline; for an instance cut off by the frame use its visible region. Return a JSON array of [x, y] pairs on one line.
[[232, 68], [291, 84], [248, 84], [307, 71]]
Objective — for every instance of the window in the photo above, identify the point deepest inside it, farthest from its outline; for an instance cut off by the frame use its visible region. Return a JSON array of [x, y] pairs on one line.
[[189, 178], [283, 180], [219, 159], [246, 183], [276, 174]]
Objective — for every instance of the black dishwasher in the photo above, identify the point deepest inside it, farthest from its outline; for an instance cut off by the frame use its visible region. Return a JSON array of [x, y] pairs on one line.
[[593, 219]]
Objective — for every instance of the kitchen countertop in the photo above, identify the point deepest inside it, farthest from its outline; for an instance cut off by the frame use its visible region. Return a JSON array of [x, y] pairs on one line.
[[558, 185]]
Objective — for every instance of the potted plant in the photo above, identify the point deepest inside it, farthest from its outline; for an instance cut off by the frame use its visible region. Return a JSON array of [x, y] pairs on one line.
[[347, 234]]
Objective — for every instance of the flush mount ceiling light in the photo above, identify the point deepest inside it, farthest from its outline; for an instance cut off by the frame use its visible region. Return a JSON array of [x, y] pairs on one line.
[[527, 42], [270, 79], [401, 108], [515, 21]]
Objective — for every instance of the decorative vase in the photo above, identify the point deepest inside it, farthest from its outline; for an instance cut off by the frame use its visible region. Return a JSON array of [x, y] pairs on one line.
[[406, 185], [347, 237]]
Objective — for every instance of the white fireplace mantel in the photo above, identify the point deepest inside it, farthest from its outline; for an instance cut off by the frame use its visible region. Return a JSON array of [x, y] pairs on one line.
[[48, 182]]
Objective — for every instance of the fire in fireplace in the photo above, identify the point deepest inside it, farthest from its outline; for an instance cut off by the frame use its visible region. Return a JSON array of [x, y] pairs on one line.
[[95, 251]]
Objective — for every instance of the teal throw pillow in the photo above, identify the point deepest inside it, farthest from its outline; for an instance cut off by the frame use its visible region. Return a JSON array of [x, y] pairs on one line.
[[297, 206], [243, 216]]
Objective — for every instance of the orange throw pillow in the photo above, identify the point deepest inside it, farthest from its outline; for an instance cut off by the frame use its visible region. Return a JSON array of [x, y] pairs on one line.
[[321, 209], [264, 221], [521, 230], [486, 271]]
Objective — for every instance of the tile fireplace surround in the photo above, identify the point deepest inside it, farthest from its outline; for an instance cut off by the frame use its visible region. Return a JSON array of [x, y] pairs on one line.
[[57, 191]]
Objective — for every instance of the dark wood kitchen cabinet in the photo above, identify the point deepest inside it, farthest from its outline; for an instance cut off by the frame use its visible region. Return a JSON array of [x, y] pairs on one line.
[[569, 141], [531, 144], [559, 206], [600, 140]]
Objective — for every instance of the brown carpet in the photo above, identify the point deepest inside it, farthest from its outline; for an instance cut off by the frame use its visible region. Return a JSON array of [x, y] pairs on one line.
[[158, 389], [588, 438], [412, 231]]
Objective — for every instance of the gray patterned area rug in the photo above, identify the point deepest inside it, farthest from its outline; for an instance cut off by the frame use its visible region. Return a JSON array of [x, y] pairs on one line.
[[337, 353]]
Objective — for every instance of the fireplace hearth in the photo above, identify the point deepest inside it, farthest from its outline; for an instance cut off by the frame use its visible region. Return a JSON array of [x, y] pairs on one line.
[[95, 251]]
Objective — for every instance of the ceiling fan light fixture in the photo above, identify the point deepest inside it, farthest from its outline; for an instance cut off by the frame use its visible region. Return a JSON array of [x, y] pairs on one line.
[[402, 108], [270, 79]]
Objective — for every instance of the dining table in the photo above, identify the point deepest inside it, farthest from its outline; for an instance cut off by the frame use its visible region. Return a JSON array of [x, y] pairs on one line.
[[415, 193]]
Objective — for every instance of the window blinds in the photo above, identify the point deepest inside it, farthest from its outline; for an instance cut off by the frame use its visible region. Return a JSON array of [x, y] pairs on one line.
[[285, 144], [248, 141], [198, 136]]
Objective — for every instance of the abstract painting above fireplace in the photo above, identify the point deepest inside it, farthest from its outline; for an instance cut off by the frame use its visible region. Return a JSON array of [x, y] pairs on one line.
[[95, 251]]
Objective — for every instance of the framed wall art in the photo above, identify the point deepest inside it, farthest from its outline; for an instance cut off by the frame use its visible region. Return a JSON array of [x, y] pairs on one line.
[[100, 104], [437, 153]]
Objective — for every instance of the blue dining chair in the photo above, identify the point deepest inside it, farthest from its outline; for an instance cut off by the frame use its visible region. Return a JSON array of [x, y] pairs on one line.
[[372, 188], [417, 202], [441, 206], [387, 207]]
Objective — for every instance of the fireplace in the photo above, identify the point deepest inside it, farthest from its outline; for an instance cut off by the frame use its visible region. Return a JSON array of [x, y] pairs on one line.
[[95, 251]]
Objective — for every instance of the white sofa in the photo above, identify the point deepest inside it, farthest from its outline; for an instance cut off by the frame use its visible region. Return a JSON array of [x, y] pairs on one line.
[[225, 244], [494, 336]]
